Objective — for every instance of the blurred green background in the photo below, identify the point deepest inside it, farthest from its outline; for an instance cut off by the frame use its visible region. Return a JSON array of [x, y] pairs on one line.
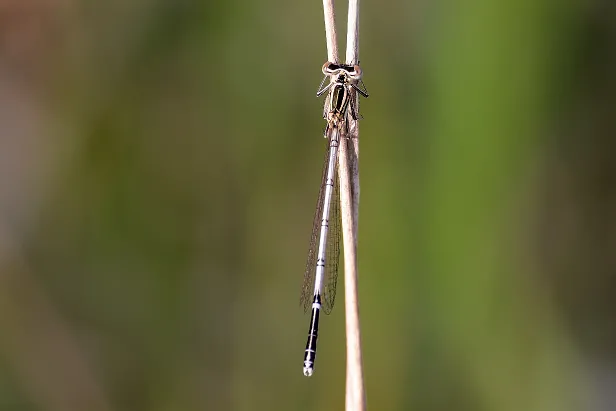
[[159, 167]]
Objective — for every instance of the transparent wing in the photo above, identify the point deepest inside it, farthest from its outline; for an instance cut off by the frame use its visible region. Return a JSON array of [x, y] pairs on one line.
[[308, 284], [354, 109], [326, 105], [333, 245], [359, 89]]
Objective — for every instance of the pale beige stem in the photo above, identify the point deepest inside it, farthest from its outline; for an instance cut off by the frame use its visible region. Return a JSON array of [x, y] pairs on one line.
[[349, 200], [330, 30]]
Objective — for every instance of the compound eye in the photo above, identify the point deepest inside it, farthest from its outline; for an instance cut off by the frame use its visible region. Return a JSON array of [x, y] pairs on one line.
[[326, 69], [356, 73], [330, 68]]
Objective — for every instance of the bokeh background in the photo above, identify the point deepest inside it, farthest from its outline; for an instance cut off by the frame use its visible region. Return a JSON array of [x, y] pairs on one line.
[[159, 167]]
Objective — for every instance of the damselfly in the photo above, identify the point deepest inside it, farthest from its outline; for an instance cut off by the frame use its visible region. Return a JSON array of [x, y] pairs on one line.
[[319, 287]]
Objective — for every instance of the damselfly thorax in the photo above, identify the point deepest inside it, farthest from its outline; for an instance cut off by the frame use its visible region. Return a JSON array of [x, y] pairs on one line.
[[343, 80]]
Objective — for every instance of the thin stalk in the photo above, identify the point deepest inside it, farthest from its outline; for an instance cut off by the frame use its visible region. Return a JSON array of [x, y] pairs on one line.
[[330, 30], [355, 399], [355, 394]]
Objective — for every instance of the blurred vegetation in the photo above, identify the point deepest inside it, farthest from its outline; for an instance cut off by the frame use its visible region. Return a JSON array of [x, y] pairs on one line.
[[159, 164]]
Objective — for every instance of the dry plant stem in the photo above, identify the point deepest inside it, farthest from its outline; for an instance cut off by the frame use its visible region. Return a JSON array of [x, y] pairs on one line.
[[355, 395], [330, 30], [349, 200], [352, 57], [352, 51]]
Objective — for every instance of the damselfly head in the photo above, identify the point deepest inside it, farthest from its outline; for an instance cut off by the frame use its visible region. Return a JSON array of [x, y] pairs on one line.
[[353, 72]]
